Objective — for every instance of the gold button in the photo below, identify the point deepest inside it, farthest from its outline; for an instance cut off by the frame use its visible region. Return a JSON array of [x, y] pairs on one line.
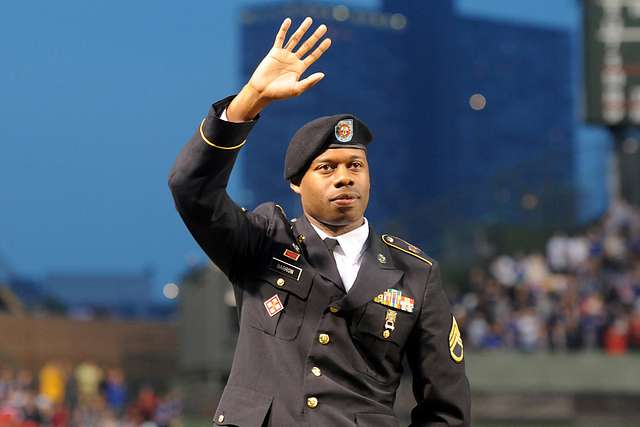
[[280, 282], [221, 418], [312, 402], [324, 339], [386, 333], [301, 238], [334, 309], [382, 259], [316, 371]]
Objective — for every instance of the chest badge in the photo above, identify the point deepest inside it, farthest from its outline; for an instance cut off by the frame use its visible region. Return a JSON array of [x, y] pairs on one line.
[[389, 322], [291, 254], [283, 267], [273, 305], [394, 298]]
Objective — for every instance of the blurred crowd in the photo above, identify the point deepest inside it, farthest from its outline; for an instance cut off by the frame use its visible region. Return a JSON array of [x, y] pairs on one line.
[[583, 293], [85, 395]]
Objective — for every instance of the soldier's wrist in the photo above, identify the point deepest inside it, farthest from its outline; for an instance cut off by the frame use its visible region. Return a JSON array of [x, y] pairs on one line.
[[246, 105]]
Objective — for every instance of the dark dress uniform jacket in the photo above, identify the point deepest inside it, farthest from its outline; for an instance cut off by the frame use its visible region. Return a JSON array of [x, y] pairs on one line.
[[324, 358]]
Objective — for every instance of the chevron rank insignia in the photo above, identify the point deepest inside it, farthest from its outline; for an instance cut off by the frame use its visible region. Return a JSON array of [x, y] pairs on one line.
[[456, 349], [394, 298], [406, 247]]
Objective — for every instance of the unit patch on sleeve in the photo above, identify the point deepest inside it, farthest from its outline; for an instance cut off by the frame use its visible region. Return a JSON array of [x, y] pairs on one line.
[[456, 348]]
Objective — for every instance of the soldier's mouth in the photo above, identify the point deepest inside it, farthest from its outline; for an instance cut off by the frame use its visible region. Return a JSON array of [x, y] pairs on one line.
[[345, 199], [344, 196]]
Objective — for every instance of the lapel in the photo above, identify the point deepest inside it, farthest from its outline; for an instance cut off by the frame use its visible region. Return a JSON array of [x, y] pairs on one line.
[[316, 251], [374, 276]]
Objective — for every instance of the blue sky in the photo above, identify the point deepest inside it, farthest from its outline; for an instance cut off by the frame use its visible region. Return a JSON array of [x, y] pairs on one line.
[[96, 99]]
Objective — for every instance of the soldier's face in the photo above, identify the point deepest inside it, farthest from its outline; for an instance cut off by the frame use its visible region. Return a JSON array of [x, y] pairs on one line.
[[335, 189]]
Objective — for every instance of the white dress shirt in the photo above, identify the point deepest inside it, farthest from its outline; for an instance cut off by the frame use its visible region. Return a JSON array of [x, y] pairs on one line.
[[349, 254]]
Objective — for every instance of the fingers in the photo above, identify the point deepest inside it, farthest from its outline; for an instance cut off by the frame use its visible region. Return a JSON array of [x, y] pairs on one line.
[[309, 82], [317, 53], [311, 41], [282, 33], [295, 38]]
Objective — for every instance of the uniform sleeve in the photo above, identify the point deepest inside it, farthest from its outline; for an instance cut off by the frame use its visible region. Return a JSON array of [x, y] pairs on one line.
[[198, 181], [440, 385]]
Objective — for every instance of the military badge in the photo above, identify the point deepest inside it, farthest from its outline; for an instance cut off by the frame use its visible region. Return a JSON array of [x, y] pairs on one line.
[[394, 298], [285, 268], [414, 249], [291, 254], [456, 349], [406, 247], [389, 322], [273, 305], [344, 130]]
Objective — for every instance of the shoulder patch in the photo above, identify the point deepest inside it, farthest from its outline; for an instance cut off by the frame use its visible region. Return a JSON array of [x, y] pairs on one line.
[[281, 210], [406, 247]]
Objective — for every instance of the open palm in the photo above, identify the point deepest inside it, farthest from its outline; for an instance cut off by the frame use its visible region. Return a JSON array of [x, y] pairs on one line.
[[278, 75]]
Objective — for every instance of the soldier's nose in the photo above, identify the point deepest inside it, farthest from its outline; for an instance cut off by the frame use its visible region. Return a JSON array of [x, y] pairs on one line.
[[342, 177]]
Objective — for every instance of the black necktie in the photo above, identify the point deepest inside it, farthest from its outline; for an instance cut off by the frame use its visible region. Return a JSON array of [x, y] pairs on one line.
[[331, 244]]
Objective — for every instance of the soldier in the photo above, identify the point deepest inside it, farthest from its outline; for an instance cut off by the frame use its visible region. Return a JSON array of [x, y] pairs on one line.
[[327, 307]]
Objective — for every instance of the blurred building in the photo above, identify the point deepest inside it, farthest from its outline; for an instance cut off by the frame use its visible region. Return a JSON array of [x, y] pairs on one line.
[[475, 121], [207, 333], [27, 292], [498, 105], [147, 350], [126, 294]]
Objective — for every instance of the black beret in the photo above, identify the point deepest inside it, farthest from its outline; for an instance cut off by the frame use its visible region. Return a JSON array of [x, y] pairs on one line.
[[339, 131]]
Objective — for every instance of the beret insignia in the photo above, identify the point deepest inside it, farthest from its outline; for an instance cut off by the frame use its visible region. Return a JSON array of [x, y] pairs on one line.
[[398, 243], [344, 130]]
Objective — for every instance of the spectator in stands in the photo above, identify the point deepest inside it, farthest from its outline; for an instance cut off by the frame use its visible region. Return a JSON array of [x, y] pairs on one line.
[[88, 377], [146, 403], [52, 382], [6, 382], [584, 294], [115, 390], [22, 406]]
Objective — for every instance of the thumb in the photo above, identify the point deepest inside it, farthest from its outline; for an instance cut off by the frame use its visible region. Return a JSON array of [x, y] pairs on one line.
[[308, 82]]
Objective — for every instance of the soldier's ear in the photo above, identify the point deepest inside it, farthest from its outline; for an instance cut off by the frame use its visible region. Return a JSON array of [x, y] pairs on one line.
[[294, 187]]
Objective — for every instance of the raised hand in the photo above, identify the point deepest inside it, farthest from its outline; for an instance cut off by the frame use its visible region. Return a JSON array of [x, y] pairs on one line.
[[278, 74]]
